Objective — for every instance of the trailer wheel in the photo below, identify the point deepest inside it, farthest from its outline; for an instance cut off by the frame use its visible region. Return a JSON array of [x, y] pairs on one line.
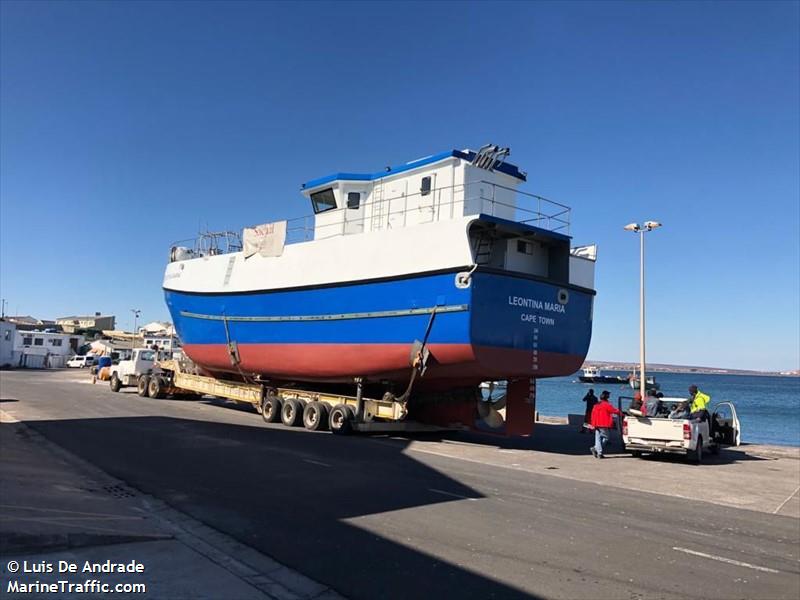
[[315, 416], [115, 383], [271, 408], [292, 413], [141, 386], [636, 453], [341, 419], [155, 387]]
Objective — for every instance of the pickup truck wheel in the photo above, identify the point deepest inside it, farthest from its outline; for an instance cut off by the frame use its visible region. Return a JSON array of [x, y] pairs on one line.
[[291, 413], [315, 416], [141, 386], [341, 420], [155, 387], [697, 453], [115, 383], [271, 408]]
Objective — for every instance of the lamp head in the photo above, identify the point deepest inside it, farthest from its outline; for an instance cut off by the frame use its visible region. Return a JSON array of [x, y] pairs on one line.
[[649, 225], [632, 227]]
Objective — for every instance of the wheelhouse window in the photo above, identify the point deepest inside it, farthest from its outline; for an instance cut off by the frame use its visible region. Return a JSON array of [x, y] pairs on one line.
[[38, 342], [425, 188], [323, 200], [353, 199], [524, 247]]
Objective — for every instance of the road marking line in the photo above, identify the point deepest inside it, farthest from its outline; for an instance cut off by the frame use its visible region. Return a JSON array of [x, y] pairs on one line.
[[698, 533], [316, 462], [730, 561], [452, 494], [775, 512]]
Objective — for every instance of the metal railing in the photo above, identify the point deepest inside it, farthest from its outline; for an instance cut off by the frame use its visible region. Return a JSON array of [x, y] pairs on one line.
[[448, 202], [211, 243], [437, 204]]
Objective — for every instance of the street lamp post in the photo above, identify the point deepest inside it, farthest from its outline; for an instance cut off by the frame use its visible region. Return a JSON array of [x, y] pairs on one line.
[[136, 312], [641, 230]]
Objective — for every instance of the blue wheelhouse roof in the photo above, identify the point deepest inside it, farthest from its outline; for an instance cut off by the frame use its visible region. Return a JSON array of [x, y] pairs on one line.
[[506, 168]]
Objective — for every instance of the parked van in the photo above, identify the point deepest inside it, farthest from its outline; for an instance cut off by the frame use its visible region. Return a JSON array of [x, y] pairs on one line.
[[80, 362]]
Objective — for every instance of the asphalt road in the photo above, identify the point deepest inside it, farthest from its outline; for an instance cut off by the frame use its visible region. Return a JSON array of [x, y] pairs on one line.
[[374, 520]]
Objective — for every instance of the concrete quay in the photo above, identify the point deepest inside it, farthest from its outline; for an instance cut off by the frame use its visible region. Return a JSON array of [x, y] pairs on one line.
[[218, 494]]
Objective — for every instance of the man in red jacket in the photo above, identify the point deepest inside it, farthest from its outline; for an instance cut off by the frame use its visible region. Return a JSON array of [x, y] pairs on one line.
[[602, 422]]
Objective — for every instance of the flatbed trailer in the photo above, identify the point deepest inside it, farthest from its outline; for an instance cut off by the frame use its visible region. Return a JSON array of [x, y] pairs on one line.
[[315, 410]]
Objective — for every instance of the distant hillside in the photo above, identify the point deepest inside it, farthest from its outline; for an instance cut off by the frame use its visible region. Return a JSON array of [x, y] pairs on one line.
[[663, 368]]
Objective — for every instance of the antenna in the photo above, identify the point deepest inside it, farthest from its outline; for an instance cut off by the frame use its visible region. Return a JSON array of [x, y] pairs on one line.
[[490, 157]]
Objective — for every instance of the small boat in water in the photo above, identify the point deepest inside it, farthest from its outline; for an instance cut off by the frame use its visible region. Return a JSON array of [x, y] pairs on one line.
[[593, 374], [443, 253], [650, 382]]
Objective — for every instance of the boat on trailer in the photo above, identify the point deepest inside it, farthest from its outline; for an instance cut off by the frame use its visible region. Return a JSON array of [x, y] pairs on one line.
[[442, 260]]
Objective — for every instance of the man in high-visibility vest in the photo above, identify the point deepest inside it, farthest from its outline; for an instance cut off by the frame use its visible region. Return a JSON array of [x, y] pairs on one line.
[[699, 402]]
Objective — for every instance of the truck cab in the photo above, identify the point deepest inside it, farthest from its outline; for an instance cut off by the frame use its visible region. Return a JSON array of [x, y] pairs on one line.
[[126, 372], [690, 437]]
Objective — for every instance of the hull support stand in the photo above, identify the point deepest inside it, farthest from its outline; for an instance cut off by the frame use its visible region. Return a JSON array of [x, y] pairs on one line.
[[520, 407]]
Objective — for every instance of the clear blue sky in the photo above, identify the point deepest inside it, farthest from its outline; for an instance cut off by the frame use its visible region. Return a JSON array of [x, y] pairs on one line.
[[123, 126]]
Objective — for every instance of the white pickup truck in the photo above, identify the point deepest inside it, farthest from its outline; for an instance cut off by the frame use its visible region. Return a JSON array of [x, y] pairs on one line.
[[681, 436], [127, 372]]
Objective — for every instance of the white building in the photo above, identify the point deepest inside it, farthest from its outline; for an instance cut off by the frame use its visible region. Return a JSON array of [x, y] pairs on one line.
[[157, 328], [7, 331], [97, 322], [164, 343], [45, 349]]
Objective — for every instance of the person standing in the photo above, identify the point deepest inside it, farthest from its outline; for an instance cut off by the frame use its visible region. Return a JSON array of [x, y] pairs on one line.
[[590, 399], [602, 421], [698, 403]]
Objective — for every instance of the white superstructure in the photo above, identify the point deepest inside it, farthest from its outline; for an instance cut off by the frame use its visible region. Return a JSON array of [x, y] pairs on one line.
[[409, 219]]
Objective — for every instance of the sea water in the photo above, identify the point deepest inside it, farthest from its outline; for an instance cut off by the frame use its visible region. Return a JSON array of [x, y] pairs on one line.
[[768, 407]]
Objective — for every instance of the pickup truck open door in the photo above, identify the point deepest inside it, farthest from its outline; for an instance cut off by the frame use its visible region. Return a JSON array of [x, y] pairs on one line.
[[727, 429]]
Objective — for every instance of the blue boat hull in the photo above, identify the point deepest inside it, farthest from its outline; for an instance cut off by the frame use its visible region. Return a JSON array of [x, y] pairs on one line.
[[501, 326]]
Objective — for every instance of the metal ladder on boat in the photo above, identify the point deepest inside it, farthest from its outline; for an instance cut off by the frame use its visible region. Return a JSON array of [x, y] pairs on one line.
[[377, 206], [483, 250]]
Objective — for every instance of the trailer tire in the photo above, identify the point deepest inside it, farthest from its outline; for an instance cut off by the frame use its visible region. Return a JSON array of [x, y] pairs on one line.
[[292, 413], [271, 408], [155, 387], [315, 416], [142, 385], [636, 453], [341, 420], [115, 383]]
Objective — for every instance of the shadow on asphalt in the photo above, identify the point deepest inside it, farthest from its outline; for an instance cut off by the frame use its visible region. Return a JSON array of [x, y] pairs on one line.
[[8, 400], [288, 493], [564, 439]]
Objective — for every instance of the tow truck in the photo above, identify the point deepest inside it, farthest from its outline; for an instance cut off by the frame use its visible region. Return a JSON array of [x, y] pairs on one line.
[[126, 373]]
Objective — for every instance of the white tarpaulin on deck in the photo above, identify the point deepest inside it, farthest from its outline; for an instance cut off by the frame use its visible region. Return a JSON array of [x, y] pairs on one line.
[[267, 239]]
